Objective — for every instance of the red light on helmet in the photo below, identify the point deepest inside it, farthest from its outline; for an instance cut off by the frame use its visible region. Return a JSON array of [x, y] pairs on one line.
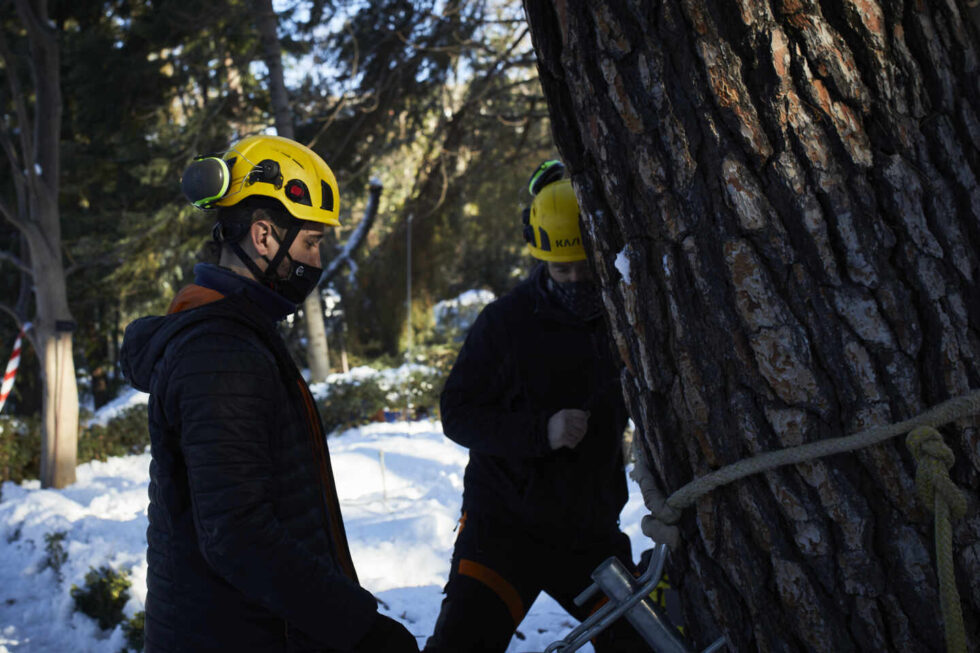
[[297, 191]]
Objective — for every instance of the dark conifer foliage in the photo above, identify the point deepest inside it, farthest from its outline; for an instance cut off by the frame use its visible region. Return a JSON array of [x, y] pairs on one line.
[[440, 100]]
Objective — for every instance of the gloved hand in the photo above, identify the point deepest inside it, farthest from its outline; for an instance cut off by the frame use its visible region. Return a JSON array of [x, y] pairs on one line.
[[567, 427], [387, 636]]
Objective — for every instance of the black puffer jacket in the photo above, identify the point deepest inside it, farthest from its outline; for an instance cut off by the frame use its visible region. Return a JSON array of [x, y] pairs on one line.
[[246, 545], [524, 359]]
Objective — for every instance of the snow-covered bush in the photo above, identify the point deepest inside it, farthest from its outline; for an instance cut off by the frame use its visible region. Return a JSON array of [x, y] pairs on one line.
[[133, 631], [20, 441], [54, 552], [365, 394], [351, 402], [126, 433], [103, 596], [453, 317]]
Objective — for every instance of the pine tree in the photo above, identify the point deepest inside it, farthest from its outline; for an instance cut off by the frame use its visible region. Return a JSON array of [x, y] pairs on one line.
[[782, 206]]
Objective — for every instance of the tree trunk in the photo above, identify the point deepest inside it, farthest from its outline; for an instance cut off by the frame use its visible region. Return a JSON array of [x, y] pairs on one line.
[[52, 338], [781, 205], [59, 445], [316, 331], [344, 365], [318, 352], [42, 230], [268, 25]]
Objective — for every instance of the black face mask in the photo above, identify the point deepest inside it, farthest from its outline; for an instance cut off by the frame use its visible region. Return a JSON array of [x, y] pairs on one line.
[[580, 298], [298, 283], [301, 279]]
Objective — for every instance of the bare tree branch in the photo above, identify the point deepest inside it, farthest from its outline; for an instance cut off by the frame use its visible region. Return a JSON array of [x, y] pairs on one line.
[[20, 183], [36, 25], [11, 218], [9, 311], [26, 289], [16, 167], [17, 97], [18, 319], [16, 262], [112, 258], [20, 322], [267, 23], [356, 238], [344, 97], [47, 86], [476, 93]]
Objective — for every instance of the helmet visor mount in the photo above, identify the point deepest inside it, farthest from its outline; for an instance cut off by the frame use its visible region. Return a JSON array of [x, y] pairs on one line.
[[265, 171]]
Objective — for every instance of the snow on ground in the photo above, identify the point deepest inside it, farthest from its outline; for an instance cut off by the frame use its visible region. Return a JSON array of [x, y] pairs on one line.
[[400, 486], [127, 398]]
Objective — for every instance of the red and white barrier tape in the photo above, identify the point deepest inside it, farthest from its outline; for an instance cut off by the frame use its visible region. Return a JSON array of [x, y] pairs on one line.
[[11, 372]]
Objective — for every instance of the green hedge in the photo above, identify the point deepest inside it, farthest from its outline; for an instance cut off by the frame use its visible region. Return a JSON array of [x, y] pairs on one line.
[[103, 597], [133, 631], [126, 433], [351, 403], [348, 403], [20, 448], [20, 442], [354, 402]]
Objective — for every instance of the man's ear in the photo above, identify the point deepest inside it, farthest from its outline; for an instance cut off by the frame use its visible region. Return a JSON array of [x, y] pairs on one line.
[[260, 235]]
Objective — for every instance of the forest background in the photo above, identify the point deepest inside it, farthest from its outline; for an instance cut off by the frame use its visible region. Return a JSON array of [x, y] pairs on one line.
[[438, 100], [780, 201]]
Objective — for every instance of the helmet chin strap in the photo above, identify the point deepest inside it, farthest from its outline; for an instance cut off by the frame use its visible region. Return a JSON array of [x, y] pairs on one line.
[[269, 274]]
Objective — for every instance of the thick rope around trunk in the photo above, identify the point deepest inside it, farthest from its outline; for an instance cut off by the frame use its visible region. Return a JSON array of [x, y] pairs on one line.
[[935, 488]]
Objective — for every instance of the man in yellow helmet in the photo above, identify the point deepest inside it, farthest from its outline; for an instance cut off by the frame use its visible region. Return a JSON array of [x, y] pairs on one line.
[[535, 396], [246, 543]]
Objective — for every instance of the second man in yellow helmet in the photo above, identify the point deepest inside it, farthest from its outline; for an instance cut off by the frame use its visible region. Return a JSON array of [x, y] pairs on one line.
[[535, 396]]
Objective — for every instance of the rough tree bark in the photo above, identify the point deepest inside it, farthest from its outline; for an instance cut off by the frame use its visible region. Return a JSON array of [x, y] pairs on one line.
[[30, 142], [790, 189]]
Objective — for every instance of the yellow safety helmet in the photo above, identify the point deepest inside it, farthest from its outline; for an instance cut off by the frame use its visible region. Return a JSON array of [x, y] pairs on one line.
[[266, 166], [552, 230]]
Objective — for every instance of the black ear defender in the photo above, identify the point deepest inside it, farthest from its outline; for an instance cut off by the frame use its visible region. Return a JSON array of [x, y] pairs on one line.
[[207, 178], [205, 181], [547, 172]]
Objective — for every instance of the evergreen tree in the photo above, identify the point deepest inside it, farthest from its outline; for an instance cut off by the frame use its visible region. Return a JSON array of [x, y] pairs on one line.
[[781, 204]]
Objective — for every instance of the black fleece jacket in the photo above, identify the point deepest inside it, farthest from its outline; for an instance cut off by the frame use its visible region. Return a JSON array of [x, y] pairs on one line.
[[246, 547], [524, 359]]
